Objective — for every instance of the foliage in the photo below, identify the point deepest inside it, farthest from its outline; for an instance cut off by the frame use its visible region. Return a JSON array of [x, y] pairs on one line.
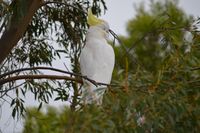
[[56, 31], [156, 76], [154, 34]]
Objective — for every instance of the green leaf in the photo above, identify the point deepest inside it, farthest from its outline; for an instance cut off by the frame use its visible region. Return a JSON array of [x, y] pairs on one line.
[[40, 106], [57, 98], [13, 102], [14, 112]]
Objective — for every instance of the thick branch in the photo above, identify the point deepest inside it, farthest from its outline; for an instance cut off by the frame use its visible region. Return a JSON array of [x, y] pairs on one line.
[[53, 69], [17, 28], [52, 77], [36, 68]]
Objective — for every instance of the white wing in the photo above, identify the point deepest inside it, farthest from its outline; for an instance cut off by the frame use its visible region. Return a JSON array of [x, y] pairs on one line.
[[97, 63], [97, 60]]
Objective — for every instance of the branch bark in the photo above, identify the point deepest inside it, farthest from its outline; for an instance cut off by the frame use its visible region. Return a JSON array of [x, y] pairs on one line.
[[14, 33], [9, 79], [194, 69], [52, 77], [37, 68]]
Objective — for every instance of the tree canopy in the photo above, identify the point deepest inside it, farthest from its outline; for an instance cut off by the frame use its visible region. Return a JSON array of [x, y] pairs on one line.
[[33, 35], [156, 78]]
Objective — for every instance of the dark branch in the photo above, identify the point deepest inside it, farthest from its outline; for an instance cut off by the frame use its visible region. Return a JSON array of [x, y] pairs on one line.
[[194, 69], [52, 77], [4, 92], [37, 68], [52, 69]]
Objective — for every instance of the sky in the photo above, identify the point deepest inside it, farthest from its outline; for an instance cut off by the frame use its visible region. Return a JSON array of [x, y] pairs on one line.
[[118, 14], [120, 11]]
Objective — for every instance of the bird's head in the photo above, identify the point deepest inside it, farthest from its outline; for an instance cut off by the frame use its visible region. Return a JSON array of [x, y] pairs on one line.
[[93, 21]]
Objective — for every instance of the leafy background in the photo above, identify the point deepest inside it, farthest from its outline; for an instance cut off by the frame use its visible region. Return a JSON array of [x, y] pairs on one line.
[[156, 76]]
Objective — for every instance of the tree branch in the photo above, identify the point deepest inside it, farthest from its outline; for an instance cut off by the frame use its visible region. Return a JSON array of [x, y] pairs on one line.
[[17, 28], [194, 69], [4, 92], [46, 68], [52, 77], [37, 68]]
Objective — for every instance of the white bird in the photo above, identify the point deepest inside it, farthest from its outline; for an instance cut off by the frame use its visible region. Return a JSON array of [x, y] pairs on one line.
[[97, 60]]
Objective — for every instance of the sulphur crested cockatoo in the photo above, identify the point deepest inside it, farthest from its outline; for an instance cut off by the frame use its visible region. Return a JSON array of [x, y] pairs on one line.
[[96, 60]]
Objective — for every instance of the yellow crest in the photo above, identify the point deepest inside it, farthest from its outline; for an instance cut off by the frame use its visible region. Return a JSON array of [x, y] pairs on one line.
[[92, 19]]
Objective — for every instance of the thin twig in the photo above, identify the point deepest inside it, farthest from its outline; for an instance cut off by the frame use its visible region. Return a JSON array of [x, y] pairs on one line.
[[194, 69], [193, 81], [123, 46], [62, 3], [7, 90], [127, 51]]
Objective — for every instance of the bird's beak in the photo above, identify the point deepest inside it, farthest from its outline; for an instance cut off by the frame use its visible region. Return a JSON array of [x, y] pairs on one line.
[[112, 32], [114, 35]]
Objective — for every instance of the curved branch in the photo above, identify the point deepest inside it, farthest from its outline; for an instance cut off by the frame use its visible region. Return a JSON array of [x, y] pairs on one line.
[[52, 77], [53, 69], [36, 68]]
